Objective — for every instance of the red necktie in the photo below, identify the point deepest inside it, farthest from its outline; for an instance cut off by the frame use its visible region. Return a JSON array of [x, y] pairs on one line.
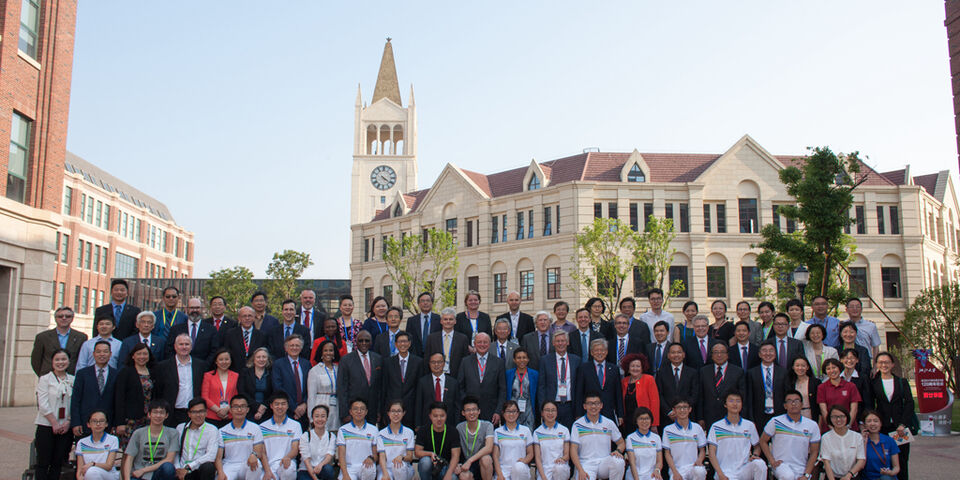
[[437, 395], [306, 320], [296, 380], [216, 323], [366, 367]]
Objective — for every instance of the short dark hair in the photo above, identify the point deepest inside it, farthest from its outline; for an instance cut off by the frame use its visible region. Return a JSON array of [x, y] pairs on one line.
[[767, 305], [593, 300], [841, 409], [831, 361], [196, 401], [654, 290], [743, 302], [559, 304], [690, 303], [320, 406], [171, 287], [240, 396], [679, 400], [591, 394], [395, 309], [625, 300], [285, 302], [422, 295], [781, 315], [470, 399], [815, 297], [355, 400], [849, 351], [158, 403], [136, 348], [401, 333], [739, 324], [104, 316], [520, 350], [103, 342], [823, 331], [792, 391], [438, 406], [119, 281], [258, 293], [854, 299], [343, 297], [224, 300], [732, 393], [661, 323], [277, 396], [721, 302], [507, 404], [60, 350], [642, 411], [793, 302]]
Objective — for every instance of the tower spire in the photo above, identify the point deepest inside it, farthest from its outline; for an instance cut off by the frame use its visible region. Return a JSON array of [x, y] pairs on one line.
[[387, 85]]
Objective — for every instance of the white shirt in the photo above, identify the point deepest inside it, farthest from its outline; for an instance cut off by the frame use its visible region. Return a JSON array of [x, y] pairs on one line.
[[85, 357], [97, 452], [278, 437], [145, 339], [568, 378], [645, 448], [791, 440], [513, 443], [684, 443], [842, 452], [593, 439], [651, 319], [626, 342], [395, 444], [443, 383], [733, 442], [52, 395], [551, 441], [357, 440], [404, 362], [867, 334], [315, 447], [237, 443], [514, 323], [199, 445], [185, 388]]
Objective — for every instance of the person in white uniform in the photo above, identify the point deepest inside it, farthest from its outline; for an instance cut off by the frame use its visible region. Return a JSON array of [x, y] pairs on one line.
[[684, 445], [791, 441], [732, 444], [241, 455], [357, 444], [551, 445], [644, 449], [97, 454], [281, 438], [395, 445], [512, 446], [317, 448], [590, 440]]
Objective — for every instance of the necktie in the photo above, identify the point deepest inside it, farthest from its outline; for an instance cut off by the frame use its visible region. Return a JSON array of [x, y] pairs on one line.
[[446, 346], [743, 357], [366, 366], [768, 387], [584, 346], [621, 350], [658, 356], [437, 393], [286, 331], [403, 369], [117, 311], [216, 324], [503, 351], [483, 366], [246, 340], [600, 374], [101, 379], [393, 348], [306, 319], [146, 341], [676, 375], [703, 351], [563, 375], [718, 378], [543, 344], [193, 331], [783, 353], [296, 380]]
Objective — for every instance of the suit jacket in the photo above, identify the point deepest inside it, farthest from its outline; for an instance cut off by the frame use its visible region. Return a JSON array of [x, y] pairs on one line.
[[670, 390], [575, 347], [233, 342], [794, 348], [269, 321], [86, 396], [128, 396], [451, 396], [533, 378], [650, 350], [492, 390], [691, 350], [753, 355], [126, 325], [898, 410], [317, 317], [352, 383], [531, 343], [284, 379], [206, 343], [212, 391], [417, 339], [640, 330], [157, 344], [711, 396], [864, 385], [633, 345], [459, 348], [275, 340], [610, 391], [549, 376], [483, 325], [382, 344], [525, 324], [47, 342], [247, 385], [508, 350], [173, 318], [402, 387], [166, 382], [756, 395], [226, 324]]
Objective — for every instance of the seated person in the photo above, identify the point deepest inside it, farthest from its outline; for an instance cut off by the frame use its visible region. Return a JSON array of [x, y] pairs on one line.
[[733, 444], [357, 444], [791, 441], [317, 448], [241, 455], [476, 443], [512, 445], [281, 438], [551, 445], [436, 448], [197, 460], [643, 447], [395, 444], [590, 442], [97, 453], [151, 449], [684, 445]]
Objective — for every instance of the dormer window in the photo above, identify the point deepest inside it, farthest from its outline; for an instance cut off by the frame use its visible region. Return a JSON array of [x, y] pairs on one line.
[[397, 210], [534, 183], [636, 175]]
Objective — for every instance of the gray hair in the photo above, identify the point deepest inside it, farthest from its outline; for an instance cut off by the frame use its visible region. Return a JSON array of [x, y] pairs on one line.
[[269, 358], [560, 332], [147, 313], [621, 315], [502, 320], [543, 312], [599, 341], [700, 317], [449, 311]]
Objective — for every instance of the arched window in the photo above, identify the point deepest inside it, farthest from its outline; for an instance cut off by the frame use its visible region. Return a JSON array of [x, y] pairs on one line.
[[397, 210], [534, 183], [635, 174]]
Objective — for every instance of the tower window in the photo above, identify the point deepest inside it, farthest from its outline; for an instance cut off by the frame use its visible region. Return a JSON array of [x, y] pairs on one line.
[[636, 175], [534, 183], [397, 210]]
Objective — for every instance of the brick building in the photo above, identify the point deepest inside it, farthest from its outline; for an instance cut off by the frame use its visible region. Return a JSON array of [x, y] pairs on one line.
[[36, 61]]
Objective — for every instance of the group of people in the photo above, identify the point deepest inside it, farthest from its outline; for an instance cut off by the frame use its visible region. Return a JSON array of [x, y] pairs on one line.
[[458, 394]]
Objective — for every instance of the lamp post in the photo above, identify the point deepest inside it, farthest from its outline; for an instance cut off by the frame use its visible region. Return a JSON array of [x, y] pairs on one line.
[[800, 278]]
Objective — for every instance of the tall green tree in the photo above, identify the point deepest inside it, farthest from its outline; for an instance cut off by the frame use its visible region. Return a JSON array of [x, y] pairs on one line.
[[234, 284], [656, 255], [423, 263], [284, 270], [606, 252], [933, 322]]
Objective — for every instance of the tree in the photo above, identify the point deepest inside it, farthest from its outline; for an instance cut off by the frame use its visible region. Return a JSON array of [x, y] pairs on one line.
[[606, 252], [656, 255], [234, 284], [823, 188], [284, 270], [933, 322], [418, 263]]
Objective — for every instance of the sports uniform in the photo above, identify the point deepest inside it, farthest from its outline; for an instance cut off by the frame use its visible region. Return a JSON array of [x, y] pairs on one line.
[[645, 448], [237, 447], [357, 440], [551, 442], [396, 444], [277, 439], [593, 443], [791, 444], [734, 442], [684, 445], [97, 452], [513, 447]]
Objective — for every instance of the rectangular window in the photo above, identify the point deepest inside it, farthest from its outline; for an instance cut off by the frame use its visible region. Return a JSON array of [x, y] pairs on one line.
[[19, 160], [776, 216], [76, 299], [473, 283], [894, 220], [634, 217], [684, 217], [721, 218], [84, 300], [706, 218], [367, 298], [103, 261], [748, 215], [881, 229], [495, 228], [67, 200], [499, 287], [57, 258], [612, 210], [520, 230], [861, 219], [668, 212], [503, 221], [547, 221], [679, 272], [526, 285], [858, 281], [83, 205], [90, 203], [558, 219], [98, 217], [530, 224], [366, 249], [451, 226], [647, 212], [716, 281], [553, 283], [750, 281], [126, 266], [469, 233], [890, 277], [106, 217], [64, 247], [388, 294], [61, 294], [164, 236], [29, 26], [96, 259], [597, 210], [383, 246], [79, 253], [87, 259], [136, 233], [123, 225], [176, 247]]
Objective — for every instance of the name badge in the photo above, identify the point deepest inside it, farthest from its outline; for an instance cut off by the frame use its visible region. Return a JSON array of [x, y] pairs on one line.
[[768, 403], [562, 391], [349, 345], [333, 401], [224, 404], [522, 405], [62, 413]]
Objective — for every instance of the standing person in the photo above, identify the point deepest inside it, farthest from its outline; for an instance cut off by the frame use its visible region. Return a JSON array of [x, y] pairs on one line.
[[437, 463], [281, 439], [851, 360], [472, 321], [150, 452], [557, 377], [797, 328], [289, 325], [97, 453], [402, 373], [590, 441], [483, 376], [219, 385], [638, 329], [199, 443], [788, 347], [732, 444], [317, 448], [882, 452], [395, 445], [168, 315], [386, 344], [598, 375], [537, 342], [522, 385], [697, 348], [868, 336], [290, 377], [520, 323], [322, 385], [816, 351], [242, 455], [256, 384], [766, 311], [452, 344], [204, 335], [53, 436], [438, 387], [512, 446], [244, 339], [503, 346], [179, 379], [376, 322], [743, 315], [310, 316], [551, 445], [360, 376], [655, 313], [644, 449], [597, 308], [684, 445], [348, 326], [841, 449], [263, 321], [742, 353], [639, 391], [581, 338], [221, 323], [820, 317], [357, 444], [893, 398], [134, 392], [423, 324], [144, 335], [124, 315], [721, 329], [837, 391], [674, 381], [560, 311], [330, 333], [93, 389], [681, 332], [105, 328], [656, 351], [623, 342], [791, 441], [767, 385], [799, 379], [849, 333], [61, 337], [476, 443], [717, 380]]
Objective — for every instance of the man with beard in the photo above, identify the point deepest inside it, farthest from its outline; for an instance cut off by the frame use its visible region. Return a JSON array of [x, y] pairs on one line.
[[203, 334]]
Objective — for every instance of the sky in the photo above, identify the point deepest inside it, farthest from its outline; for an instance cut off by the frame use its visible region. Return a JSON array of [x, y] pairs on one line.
[[239, 115]]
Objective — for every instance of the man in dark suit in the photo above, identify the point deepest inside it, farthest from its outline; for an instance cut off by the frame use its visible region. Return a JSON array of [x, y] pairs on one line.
[[623, 342], [310, 316], [401, 373], [242, 341], [203, 334], [124, 315], [656, 352], [361, 375], [596, 374], [537, 342], [743, 353], [558, 372], [49, 341], [453, 345], [277, 337], [385, 343], [787, 347], [290, 376], [422, 325], [145, 323], [179, 369], [221, 323], [93, 389], [716, 379], [520, 323], [675, 381], [698, 347], [766, 387], [581, 338], [261, 319], [438, 386], [491, 387], [638, 328], [502, 345], [168, 315]]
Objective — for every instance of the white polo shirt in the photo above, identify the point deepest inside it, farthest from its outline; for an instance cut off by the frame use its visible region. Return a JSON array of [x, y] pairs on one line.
[[551, 441], [357, 439], [97, 452], [278, 437], [645, 448], [395, 444], [513, 443], [684, 443], [733, 442], [238, 442], [791, 440], [594, 439]]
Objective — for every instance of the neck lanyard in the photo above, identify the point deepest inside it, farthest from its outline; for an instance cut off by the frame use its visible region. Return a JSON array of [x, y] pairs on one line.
[[433, 438], [333, 385], [379, 324], [882, 458], [152, 447], [521, 377], [352, 333], [476, 433], [172, 319], [482, 366], [562, 372], [197, 445]]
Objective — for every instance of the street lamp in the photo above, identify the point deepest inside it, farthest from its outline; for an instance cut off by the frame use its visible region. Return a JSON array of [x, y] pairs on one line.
[[800, 278]]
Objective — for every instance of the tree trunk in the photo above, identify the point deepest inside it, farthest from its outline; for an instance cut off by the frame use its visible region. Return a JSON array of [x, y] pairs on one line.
[[826, 274]]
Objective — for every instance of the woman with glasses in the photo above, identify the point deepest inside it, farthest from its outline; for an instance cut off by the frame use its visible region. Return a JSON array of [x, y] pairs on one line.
[[322, 384], [97, 454], [841, 449], [551, 445], [837, 391], [255, 383], [512, 446], [219, 386], [522, 383], [395, 445], [53, 437], [134, 392], [893, 399], [597, 308]]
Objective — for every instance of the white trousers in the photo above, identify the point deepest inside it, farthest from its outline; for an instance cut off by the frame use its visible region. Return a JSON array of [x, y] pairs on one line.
[[289, 473], [645, 471], [753, 470], [557, 471], [791, 472], [361, 472], [405, 472], [691, 472], [517, 471], [241, 471], [608, 467], [97, 473]]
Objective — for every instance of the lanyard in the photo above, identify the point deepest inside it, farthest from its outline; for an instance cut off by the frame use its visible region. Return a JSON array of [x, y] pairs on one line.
[[173, 319], [521, 378], [882, 458], [333, 385], [561, 372], [433, 438], [223, 395], [152, 447], [476, 433], [197, 445], [379, 325], [482, 366], [352, 333]]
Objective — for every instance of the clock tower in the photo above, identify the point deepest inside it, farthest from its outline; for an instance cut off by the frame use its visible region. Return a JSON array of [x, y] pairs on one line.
[[384, 145]]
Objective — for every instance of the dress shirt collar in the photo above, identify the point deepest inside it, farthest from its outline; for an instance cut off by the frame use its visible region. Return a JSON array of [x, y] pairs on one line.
[[184, 364]]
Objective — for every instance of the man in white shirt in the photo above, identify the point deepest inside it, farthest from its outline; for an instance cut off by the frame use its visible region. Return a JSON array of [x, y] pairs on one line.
[[590, 441], [357, 445], [683, 445], [796, 441], [241, 455], [656, 313], [732, 444], [199, 444], [867, 335], [105, 328], [281, 438]]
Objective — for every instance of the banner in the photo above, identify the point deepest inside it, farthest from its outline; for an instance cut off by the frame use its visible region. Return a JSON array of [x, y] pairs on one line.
[[934, 400]]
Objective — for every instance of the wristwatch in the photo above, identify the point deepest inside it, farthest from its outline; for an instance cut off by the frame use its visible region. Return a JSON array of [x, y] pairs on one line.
[[807, 475]]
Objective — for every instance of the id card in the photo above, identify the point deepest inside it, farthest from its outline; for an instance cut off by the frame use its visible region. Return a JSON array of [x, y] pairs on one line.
[[333, 401], [522, 405], [62, 413], [768, 403], [562, 391]]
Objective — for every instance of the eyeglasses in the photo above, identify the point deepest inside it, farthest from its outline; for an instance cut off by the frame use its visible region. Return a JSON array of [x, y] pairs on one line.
[[64, 316], [239, 407], [593, 403], [395, 410], [793, 401], [98, 421], [512, 410]]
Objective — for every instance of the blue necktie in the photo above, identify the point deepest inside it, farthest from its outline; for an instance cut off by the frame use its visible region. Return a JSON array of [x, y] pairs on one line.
[[584, 344], [287, 333], [117, 311], [657, 357]]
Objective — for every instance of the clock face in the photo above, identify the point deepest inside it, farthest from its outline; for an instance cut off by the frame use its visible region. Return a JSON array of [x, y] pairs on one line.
[[383, 177]]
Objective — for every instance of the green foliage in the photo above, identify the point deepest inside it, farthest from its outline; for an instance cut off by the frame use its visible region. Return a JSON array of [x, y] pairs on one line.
[[234, 284], [419, 266], [655, 255], [285, 268], [933, 321]]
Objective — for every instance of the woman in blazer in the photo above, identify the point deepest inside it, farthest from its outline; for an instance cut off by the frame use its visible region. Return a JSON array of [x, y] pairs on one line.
[[800, 379], [219, 386], [134, 391], [639, 389], [894, 402], [53, 438], [256, 383], [522, 387]]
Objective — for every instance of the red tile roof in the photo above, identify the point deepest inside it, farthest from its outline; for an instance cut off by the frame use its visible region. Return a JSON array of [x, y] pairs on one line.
[[928, 182], [897, 177], [873, 177]]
